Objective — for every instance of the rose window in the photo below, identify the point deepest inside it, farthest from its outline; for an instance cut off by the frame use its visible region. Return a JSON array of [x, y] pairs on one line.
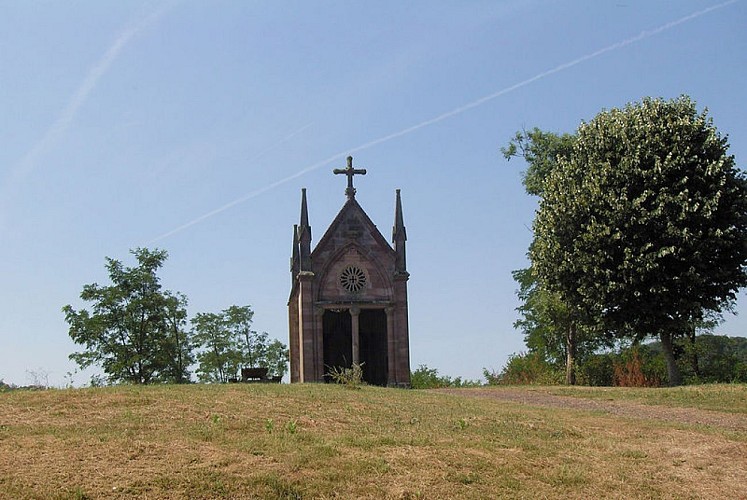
[[353, 279]]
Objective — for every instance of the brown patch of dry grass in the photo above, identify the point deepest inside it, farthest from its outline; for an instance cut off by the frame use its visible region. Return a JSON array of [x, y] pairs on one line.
[[727, 398], [317, 441]]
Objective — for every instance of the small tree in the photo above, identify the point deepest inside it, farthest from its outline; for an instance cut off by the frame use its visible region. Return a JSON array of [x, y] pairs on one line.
[[135, 330], [177, 344], [218, 355], [227, 342], [276, 358], [551, 328]]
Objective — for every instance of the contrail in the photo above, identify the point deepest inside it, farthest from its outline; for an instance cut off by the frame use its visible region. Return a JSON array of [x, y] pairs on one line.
[[280, 142], [251, 195], [63, 122], [461, 109]]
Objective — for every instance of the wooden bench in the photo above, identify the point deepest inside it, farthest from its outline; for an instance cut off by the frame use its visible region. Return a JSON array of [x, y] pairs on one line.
[[250, 375], [254, 374]]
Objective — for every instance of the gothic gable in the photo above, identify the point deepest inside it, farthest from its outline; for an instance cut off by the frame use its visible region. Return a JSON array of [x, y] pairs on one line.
[[353, 245], [351, 276]]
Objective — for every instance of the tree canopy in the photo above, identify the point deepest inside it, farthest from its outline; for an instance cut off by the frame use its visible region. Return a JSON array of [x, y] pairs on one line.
[[135, 330], [541, 150], [642, 230], [550, 330], [226, 343]]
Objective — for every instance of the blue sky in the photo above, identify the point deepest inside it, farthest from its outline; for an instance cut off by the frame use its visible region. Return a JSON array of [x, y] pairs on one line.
[[192, 126]]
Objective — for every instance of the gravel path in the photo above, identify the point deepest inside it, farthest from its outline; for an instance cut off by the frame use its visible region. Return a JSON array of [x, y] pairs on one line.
[[630, 409]]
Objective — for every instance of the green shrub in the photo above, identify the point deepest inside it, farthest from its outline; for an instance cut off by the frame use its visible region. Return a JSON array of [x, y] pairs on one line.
[[631, 371], [428, 378], [527, 369], [637, 366], [352, 377], [596, 370], [720, 359]]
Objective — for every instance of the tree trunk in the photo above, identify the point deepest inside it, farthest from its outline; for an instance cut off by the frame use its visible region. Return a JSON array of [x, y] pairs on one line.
[[570, 359], [694, 352], [673, 372]]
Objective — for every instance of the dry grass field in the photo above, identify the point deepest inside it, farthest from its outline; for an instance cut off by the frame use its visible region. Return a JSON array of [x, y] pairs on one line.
[[321, 441]]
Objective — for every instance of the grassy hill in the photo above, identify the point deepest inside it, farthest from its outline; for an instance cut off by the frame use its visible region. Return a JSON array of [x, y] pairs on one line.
[[312, 441]]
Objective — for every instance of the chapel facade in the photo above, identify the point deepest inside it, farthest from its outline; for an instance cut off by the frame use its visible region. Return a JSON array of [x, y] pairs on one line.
[[348, 299]]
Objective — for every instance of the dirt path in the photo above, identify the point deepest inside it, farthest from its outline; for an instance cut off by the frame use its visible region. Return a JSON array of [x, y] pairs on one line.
[[623, 408]]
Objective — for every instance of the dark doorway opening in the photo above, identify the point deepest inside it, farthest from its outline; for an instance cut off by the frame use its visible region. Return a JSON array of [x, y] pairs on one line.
[[337, 341], [373, 346]]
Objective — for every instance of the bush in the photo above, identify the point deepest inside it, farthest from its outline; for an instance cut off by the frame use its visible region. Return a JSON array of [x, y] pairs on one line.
[[351, 378], [527, 369], [428, 378], [631, 371], [4, 387], [596, 370], [638, 366], [740, 373], [720, 359]]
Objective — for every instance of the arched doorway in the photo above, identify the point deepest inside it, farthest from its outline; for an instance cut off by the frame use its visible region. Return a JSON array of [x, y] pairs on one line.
[[337, 341], [338, 332], [373, 346]]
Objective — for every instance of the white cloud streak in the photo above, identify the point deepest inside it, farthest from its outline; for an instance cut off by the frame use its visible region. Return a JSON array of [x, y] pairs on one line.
[[280, 142], [58, 129], [456, 111]]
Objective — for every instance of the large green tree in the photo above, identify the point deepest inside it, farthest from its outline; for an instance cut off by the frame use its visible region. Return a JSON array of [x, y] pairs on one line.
[[642, 230], [135, 330]]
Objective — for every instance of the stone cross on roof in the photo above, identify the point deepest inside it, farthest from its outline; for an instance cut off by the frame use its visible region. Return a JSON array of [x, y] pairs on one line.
[[350, 172]]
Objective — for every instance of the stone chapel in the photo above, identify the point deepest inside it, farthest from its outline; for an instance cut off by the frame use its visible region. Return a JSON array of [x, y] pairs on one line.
[[348, 299]]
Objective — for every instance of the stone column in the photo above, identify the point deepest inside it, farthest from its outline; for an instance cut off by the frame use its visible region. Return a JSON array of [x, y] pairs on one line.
[[294, 341], [354, 315], [319, 343], [306, 327], [391, 373], [401, 336]]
